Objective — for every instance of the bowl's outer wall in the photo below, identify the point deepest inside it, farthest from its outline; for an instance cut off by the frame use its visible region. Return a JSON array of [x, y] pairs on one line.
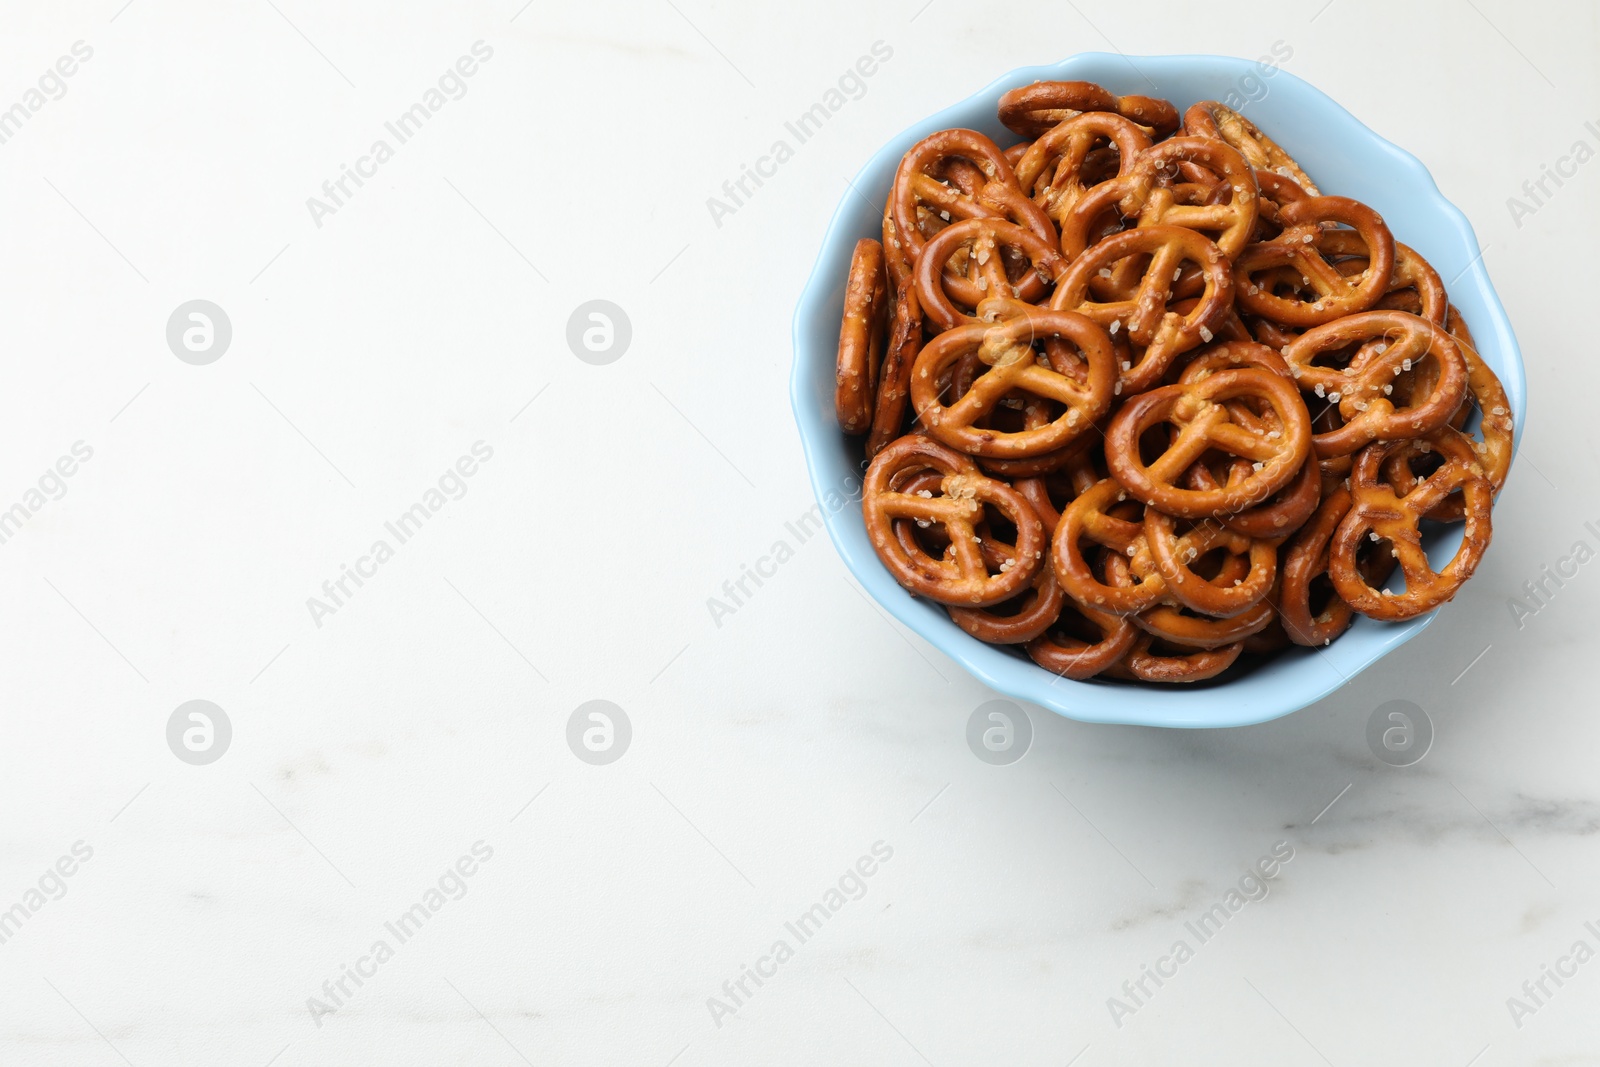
[[1346, 158]]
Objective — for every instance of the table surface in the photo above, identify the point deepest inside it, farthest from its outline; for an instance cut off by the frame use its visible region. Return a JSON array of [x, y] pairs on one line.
[[401, 534]]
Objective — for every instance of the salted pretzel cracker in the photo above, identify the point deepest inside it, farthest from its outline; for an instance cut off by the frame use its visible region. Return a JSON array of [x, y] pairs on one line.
[[920, 198], [1300, 247], [894, 377], [1283, 513], [1015, 621], [1082, 643], [1005, 350], [1414, 286], [1240, 589], [1144, 584], [1201, 418], [963, 579], [1240, 602], [1032, 110], [1280, 515], [1030, 614], [1305, 560], [1145, 192], [1391, 342], [1211, 119], [1277, 192], [1147, 316], [1093, 519], [949, 298], [1059, 168], [1151, 660], [1484, 390], [1171, 624], [904, 340], [1382, 513], [861, 337]]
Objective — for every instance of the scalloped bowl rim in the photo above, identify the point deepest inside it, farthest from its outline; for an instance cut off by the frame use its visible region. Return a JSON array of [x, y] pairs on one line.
[[1394, 178]]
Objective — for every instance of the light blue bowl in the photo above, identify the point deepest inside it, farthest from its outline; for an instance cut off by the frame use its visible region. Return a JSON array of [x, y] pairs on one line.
[[1345, 158]]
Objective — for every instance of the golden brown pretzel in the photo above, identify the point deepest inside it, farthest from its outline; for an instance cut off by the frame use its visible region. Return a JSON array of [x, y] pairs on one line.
[[1174, 625], [1280, 515], [1146, 192], [1173, 556], [1016, 621], [1306, 560], [1495, 448], [902, 344], [1199, 413], [1058, 168], [1093, 517], [1031, 614], [962, 578], [1033, 109], [1414, 285], [1211, 119], [1147, 317], [861, 338], [1081, 642], [1136, 583], [1284, 513], [1005, 350], [920, 197], [1277, 192], [1300, 246], [981, 245], [896, 256], [1391, 342], [894, 381], [1153, 660], [1382, 513], [925, 542]]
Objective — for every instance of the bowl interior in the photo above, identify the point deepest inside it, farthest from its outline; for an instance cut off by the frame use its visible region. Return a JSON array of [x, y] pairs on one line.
[[1345, 158]]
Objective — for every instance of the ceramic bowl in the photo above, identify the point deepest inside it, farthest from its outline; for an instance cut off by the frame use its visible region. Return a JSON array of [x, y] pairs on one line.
[[1345, 158]]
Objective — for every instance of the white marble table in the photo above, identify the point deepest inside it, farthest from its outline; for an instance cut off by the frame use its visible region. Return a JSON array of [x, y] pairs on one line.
[[399, 772]]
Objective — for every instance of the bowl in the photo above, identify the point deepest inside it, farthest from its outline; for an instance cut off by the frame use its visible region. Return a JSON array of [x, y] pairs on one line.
[[1345, 158]]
